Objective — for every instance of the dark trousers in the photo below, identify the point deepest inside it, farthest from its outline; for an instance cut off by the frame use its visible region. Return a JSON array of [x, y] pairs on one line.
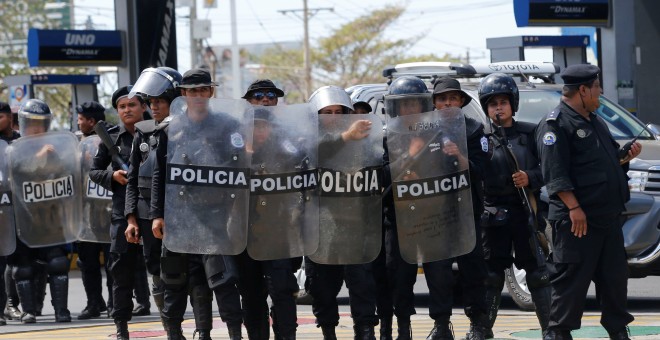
[[257, 280], [152, 247], [439, 278], [384, 304], [122, 268], [598, 256], [89, 263], [3, 291], [324, 282]]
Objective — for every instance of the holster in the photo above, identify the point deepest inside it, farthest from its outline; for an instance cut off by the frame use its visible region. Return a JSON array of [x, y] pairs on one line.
[[220, 270], [494, 217]]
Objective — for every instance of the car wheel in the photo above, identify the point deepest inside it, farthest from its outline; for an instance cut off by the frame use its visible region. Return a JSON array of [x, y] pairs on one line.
[[516, 284]]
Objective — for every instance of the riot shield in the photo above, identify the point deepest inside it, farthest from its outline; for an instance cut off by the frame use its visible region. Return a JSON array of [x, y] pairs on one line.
[[45, 178], [350, 190], [7, 228], [96, 200], [283, 220], [207, 176], [431, 185]]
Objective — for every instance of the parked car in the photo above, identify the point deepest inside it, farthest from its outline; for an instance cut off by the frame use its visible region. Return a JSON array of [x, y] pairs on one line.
[[642, 225]]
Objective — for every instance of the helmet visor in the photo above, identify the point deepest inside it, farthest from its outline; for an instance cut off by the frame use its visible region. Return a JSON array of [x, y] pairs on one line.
[[33, 123], [152, 83], [407, 104]]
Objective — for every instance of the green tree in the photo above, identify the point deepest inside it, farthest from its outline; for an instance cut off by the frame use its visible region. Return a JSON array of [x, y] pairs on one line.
[[16, 18], [355, 53]]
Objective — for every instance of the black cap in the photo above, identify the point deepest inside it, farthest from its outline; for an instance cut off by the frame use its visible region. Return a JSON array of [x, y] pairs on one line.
[[263, 114], [120, 93], [579, 74], [196, 77], [5, 108], [446, 84], [262, 84], [362, 104], [91, 110]]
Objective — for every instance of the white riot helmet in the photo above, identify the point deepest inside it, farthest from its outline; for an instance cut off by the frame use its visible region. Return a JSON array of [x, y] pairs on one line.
[[330, 95]]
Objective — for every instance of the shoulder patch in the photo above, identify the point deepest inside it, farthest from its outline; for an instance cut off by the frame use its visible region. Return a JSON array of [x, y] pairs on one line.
[[237, 140], [484, 144], [552, 115], [289, 147], [549, 138]]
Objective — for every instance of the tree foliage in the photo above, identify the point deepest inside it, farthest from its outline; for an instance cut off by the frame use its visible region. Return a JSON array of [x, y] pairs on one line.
[[355, 53], [16, 18]]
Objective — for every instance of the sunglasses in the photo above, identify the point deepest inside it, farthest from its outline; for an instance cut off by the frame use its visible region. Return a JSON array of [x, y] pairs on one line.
[[260, 95]]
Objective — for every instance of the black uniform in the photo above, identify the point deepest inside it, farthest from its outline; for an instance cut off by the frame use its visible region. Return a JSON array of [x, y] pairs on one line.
[[505, 217], [439, 273], [580, 155], [123, 256], [6, 291], [324, 281], [205, 272]]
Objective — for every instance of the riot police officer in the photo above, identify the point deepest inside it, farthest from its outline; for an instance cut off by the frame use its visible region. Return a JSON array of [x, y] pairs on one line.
[[585, 175], [199, 274], [34, 118], [258, 279], [123, 255], [513, 167], [7, 134], [324, 281], [90, 113], [158, 87]]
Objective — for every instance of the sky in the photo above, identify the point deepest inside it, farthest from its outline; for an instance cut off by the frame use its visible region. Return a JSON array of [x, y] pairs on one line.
[[448, 26]]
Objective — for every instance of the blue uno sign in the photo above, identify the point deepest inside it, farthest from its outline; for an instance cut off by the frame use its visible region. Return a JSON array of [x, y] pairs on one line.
[[74, 47], [562, 12]]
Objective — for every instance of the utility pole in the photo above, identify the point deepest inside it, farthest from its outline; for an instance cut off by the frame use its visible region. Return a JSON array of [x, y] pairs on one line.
[[194, 52], [307, 14]]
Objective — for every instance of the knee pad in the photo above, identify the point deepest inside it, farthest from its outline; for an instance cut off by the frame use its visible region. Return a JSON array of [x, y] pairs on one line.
[[58, 265], [538, 278], [22, 272]]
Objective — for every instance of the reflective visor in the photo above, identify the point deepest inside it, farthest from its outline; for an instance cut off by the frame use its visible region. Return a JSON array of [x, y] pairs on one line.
[[152, 82]]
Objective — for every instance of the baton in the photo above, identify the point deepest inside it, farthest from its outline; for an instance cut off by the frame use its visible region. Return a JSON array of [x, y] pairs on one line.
[[102, 131]]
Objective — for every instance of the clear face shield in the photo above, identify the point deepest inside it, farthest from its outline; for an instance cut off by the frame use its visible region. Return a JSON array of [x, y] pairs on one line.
[[330, 95], [407, 104], [33, 124], [152, 83]]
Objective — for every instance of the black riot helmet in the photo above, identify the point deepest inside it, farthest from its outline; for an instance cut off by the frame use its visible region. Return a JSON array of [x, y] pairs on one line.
[[159, 82], [498, 83], [407, 95], [34, 117]]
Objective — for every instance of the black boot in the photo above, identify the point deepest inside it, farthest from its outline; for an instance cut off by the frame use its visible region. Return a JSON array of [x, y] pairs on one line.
[[12, 312], [555, 334], [59, 291], [386, 329], [25, 290], [541, 298], [404, 330], [620, 335], [92, 310], [204, 334], [329, 333], [442, 330], [174, 332], [122, 330], [493, 298], [477, 330], [364, 332], [141, 290], [235, 332]]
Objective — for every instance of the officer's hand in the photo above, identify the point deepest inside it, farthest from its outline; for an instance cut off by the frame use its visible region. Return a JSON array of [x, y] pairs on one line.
[[119, 176], [157, 227], [450, 148], [358, 130], [520, 179], [416, 146], [46, 149], [410, 176], [579, 222], [635, 150], [132, 233]]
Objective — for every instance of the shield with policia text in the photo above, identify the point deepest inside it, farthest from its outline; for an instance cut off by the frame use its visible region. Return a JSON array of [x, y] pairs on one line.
[[7, 228], [349, 189], [207, 176], [284, 210], [45, 179], [96, 200], [431, 185]]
